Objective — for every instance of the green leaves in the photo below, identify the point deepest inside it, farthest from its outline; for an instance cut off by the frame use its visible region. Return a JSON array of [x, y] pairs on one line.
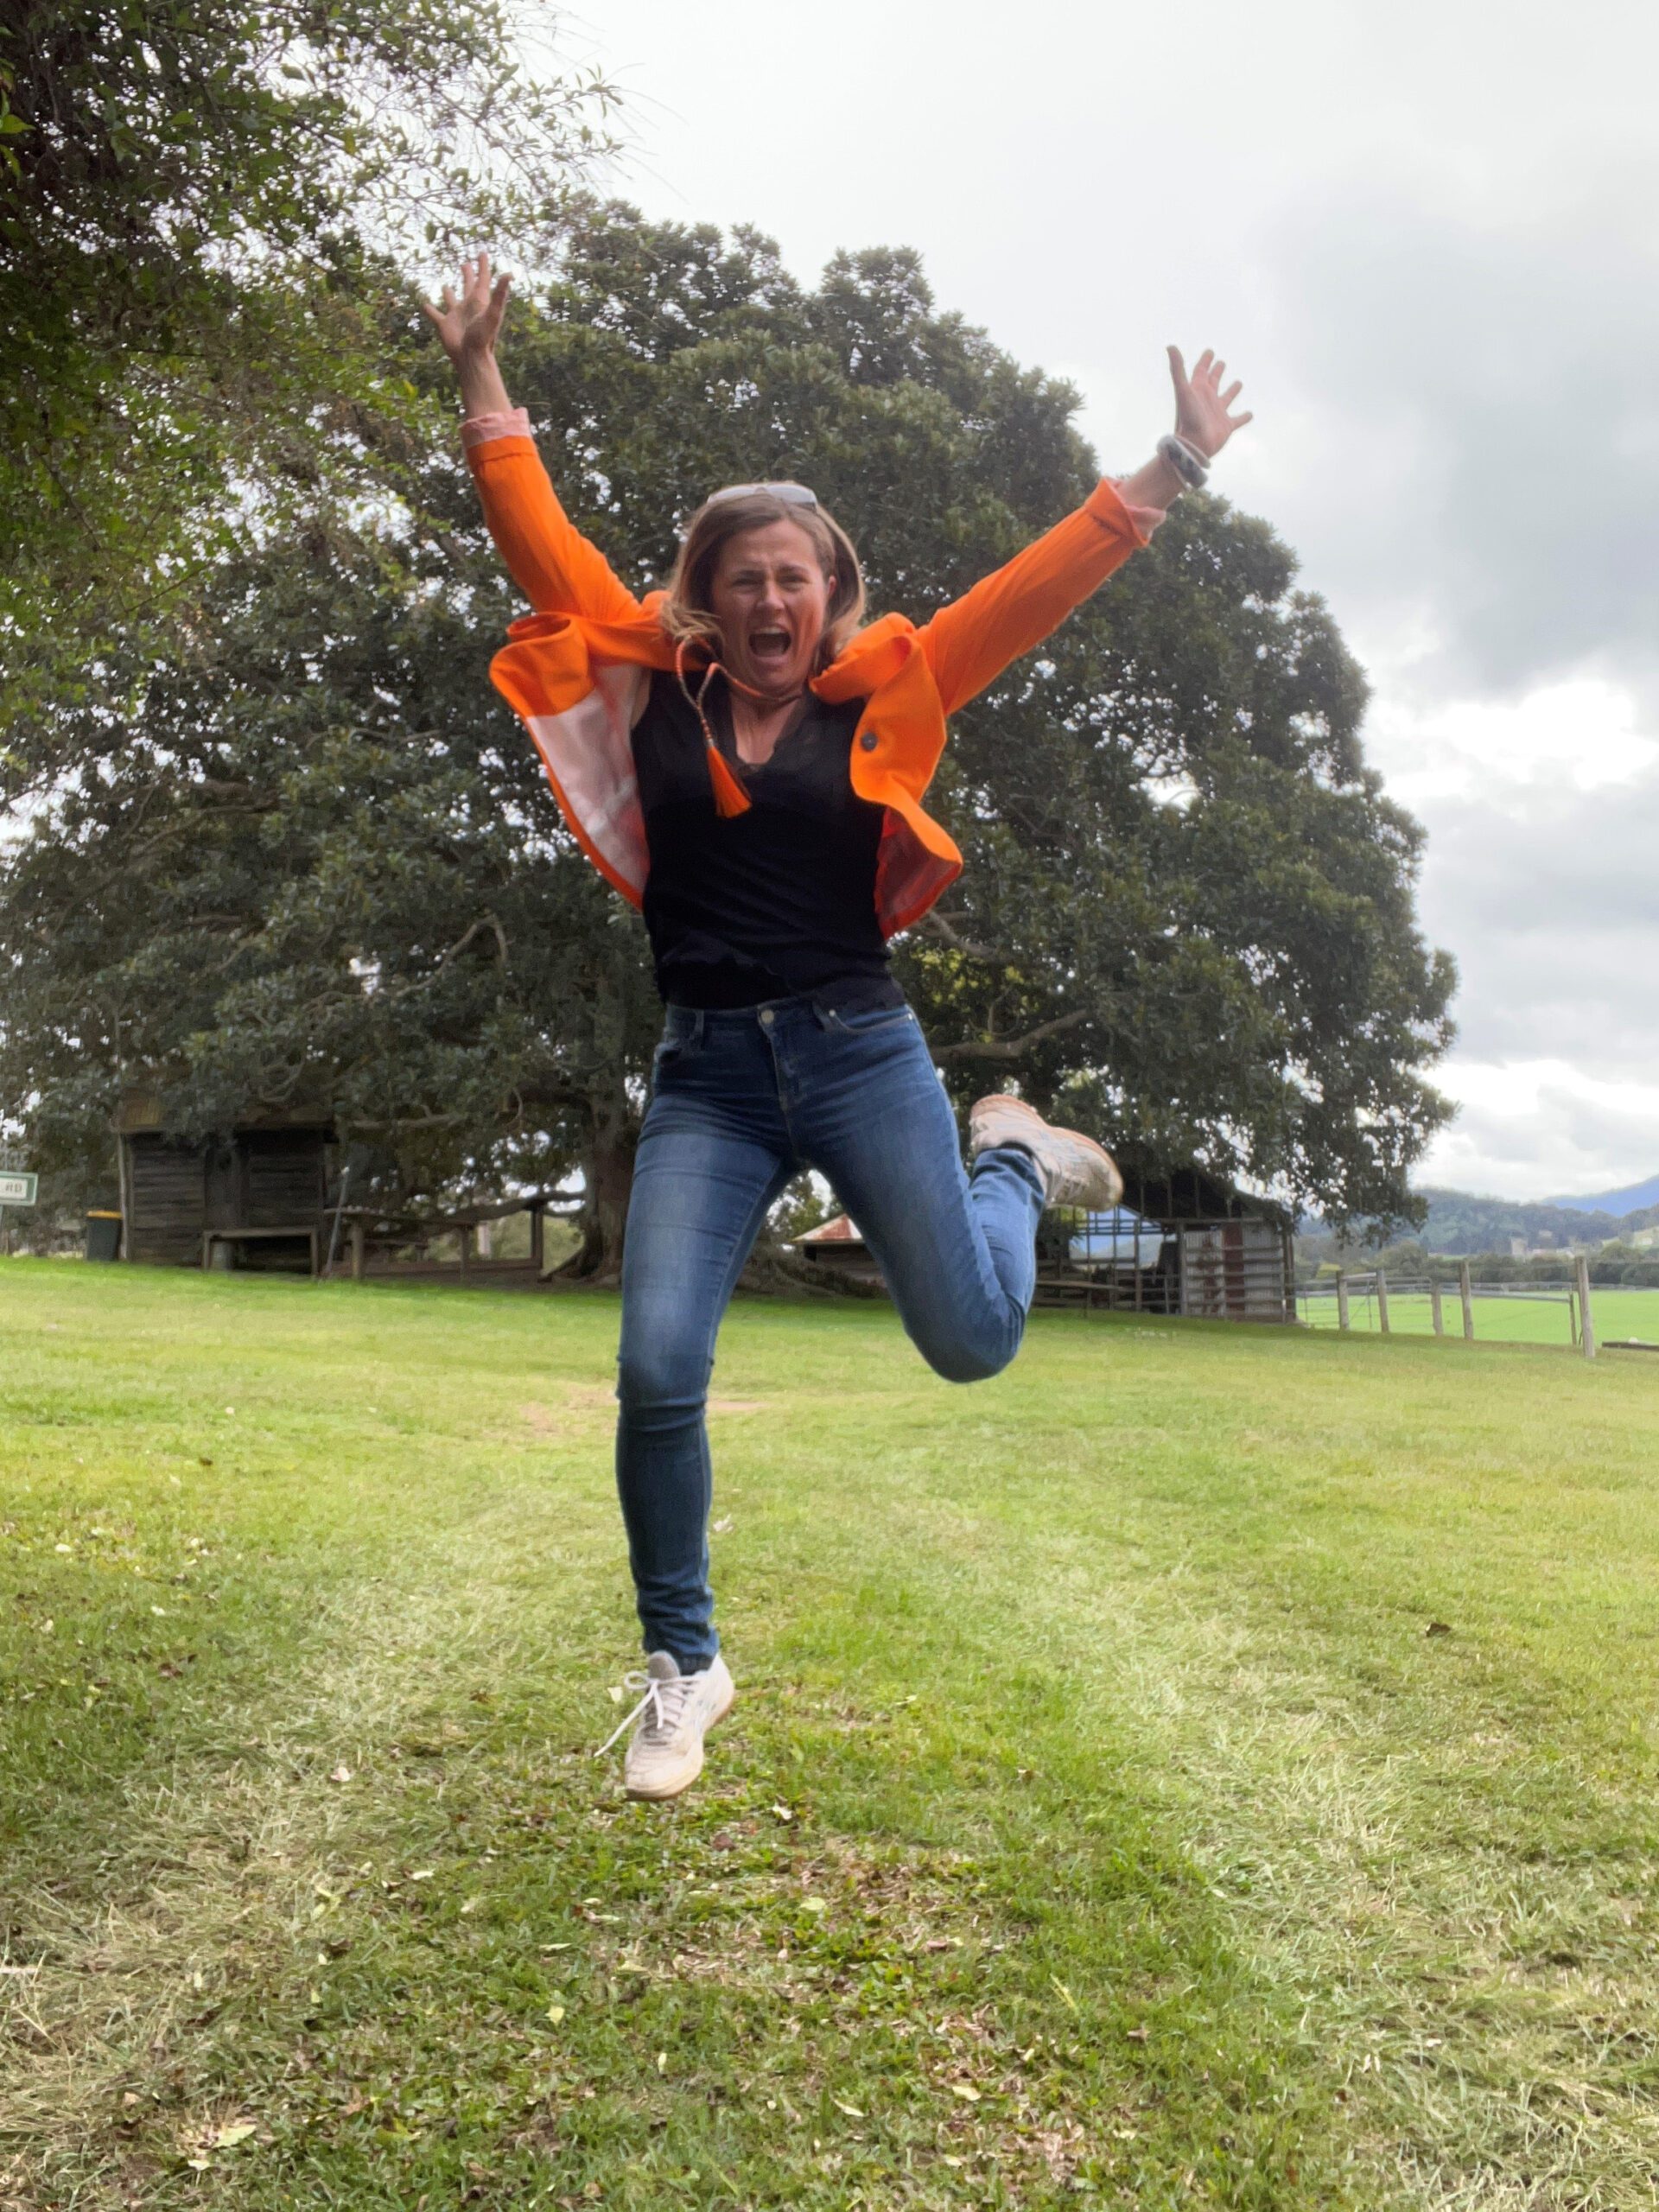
[[204, 172]]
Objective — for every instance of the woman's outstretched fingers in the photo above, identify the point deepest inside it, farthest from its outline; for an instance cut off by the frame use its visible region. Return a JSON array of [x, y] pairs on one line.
[[469, 321], [497, 305], [1202, 414]]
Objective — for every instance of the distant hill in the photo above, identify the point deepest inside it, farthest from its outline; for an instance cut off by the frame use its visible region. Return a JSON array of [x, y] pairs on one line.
[[1635, 1198], [1459, 1222]]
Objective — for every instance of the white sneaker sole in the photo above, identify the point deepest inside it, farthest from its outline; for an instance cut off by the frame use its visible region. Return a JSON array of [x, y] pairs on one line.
[[657, 1793]]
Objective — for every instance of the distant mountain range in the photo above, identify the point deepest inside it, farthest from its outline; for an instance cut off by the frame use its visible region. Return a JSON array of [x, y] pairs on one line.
[[1634, 1199], [1459, 1222]]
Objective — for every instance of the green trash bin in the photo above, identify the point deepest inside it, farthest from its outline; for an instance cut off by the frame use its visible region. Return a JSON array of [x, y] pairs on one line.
[[103, 1236]]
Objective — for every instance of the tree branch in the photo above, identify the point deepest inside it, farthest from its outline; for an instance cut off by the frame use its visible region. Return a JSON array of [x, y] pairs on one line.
[[424, 982], [936, 926], [409, 1121], [1008, 1048], [554, 1201]]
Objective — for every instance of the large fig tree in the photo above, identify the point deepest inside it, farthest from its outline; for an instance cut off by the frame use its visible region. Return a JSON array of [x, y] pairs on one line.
[[314, 852]]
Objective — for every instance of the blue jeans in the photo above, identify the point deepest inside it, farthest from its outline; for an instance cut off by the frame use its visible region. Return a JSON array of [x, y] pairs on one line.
[[741, 1103]]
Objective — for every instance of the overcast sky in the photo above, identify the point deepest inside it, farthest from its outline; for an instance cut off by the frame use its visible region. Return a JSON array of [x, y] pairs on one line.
[[1425, 237]]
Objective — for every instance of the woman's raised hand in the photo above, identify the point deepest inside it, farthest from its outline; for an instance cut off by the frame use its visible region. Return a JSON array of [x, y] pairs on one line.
[[1201, 415], [468, 325]]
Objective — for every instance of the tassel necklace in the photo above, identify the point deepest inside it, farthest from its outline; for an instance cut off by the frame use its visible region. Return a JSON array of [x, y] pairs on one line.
[[730, 797]]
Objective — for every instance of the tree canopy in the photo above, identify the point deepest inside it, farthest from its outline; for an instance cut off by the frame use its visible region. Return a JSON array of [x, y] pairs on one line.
[[314, 850], [191, 199]]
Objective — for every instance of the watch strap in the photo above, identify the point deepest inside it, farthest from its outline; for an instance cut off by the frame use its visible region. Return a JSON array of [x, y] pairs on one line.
[[1188, 463]]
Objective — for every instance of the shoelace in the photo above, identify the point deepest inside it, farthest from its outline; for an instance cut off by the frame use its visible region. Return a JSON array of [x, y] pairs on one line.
[[664, 1711]]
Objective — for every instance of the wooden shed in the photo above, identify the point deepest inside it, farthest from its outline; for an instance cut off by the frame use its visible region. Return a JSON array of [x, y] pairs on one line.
[[837, 1247], [1183, 1243], [1186, 1241], [253, 1198]]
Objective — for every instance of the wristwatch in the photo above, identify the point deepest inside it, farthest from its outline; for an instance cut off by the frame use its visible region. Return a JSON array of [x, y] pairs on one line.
[[1188, 463]]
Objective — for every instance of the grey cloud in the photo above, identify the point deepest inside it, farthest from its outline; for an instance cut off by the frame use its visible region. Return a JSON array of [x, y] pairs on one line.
[[1609, 1132], [1508, 375], [1564, 856], [1550, 902], [1565, 1141]]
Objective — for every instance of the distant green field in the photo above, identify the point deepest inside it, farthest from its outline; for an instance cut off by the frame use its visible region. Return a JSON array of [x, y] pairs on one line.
[[1501, 1320], [1208, 1769]]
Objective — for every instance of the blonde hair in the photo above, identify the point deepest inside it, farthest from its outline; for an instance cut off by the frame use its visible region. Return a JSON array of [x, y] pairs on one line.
[[686, 613]]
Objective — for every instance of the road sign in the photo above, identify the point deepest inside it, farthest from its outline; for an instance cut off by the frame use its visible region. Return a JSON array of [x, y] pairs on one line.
[[17, 1190]]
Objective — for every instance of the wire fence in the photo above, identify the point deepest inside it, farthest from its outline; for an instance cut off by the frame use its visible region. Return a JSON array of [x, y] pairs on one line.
[[1363, 1298]]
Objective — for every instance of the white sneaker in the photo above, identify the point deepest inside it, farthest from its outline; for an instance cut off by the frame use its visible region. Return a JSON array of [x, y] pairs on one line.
[[675, 1712], [1076, 1171]]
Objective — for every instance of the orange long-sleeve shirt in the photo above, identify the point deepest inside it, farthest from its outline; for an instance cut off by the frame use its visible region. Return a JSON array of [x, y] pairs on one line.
[[572, 669]]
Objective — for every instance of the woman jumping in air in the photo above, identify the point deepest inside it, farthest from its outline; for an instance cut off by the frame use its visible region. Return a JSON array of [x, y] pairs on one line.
[[746, 763]]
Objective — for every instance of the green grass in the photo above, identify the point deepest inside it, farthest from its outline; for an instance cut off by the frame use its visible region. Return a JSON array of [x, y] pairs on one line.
[[1615, 1313], [1205, 1766]]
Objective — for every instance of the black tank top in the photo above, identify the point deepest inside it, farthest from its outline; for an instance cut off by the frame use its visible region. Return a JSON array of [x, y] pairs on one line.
[[777, 900]]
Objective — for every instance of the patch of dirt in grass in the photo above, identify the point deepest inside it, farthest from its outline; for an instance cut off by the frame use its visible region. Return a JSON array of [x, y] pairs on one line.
[[851, 1963], [579, 1411], [859, 2002]]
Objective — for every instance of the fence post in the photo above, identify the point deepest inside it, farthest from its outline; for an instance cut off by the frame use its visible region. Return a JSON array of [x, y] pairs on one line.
[[1586, 1326], [1434, 1306], [1342, 1301], [1382, 1301], [359, 1240], [1467, 1293]]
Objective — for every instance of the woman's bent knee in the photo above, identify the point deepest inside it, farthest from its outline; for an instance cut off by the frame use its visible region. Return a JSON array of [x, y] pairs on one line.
[[973, 1359]]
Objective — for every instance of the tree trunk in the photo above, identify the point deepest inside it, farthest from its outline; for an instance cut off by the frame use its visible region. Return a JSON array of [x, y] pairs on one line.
[[610, 1179]]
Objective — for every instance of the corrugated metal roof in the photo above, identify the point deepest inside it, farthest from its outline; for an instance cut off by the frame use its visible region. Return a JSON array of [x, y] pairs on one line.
[[840, 1230]]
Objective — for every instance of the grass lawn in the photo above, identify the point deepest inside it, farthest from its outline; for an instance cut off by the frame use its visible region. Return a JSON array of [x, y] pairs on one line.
[[1620, 1313], [1203, 1767]]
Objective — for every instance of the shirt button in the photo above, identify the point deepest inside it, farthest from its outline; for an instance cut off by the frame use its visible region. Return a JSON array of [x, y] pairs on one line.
[[765, 1017], [868, 741]]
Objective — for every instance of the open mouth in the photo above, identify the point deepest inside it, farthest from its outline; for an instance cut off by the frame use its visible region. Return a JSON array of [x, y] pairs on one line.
[[769, 648]]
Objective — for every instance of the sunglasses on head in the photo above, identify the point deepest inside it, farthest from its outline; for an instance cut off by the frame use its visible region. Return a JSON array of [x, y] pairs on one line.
[[793, 495]]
